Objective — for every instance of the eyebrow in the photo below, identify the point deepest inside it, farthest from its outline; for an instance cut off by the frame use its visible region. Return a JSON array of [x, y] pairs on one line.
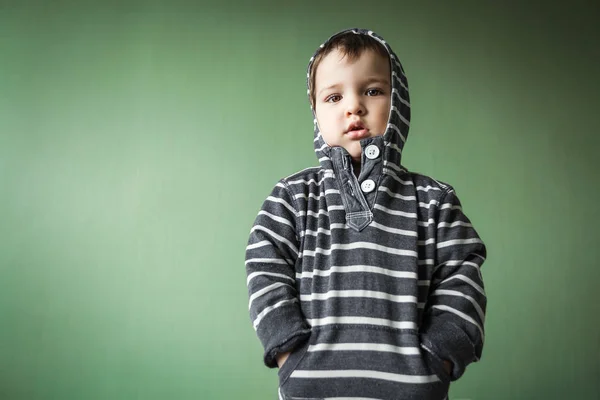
[[367, 81]]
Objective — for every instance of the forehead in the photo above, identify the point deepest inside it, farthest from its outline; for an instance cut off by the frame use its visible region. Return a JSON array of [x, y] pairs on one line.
[[338, 66]]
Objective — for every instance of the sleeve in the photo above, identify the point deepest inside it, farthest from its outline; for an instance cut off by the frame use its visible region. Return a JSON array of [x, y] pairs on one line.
[[453, 324], [271, 255]]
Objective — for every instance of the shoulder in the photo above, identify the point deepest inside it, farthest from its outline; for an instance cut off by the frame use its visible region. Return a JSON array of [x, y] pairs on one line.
[[306, 180], [305, 174], [427, 189], [425, 181]]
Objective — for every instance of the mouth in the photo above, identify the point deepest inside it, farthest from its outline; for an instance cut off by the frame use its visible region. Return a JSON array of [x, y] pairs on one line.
[[357, 130]]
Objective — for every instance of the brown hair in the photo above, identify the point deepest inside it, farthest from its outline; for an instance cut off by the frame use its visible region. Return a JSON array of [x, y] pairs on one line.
[[352, 45]]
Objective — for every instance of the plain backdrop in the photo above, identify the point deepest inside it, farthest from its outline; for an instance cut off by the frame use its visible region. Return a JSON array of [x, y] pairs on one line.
[[138, 141]]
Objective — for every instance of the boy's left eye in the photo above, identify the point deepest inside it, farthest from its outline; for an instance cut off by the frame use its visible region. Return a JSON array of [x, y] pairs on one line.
[[374, 92]]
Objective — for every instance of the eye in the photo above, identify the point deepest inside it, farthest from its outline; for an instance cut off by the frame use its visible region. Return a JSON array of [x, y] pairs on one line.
[[374, 92], [334, 98]]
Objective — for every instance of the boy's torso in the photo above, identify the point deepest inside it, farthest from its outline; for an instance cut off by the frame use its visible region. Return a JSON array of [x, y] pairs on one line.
[[363, 290]]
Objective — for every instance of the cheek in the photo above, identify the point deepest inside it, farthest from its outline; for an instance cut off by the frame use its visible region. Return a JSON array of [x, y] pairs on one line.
[[325, 120], [385, 112]]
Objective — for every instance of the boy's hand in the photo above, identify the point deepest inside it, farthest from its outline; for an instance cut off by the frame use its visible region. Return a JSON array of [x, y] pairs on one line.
[[281, 358], [448, 367]]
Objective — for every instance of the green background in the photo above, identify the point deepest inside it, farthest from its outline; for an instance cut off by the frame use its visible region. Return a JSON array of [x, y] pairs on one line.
[[139, 139]]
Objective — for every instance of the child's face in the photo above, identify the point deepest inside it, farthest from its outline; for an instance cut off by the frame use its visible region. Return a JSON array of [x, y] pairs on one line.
[[352, 99]]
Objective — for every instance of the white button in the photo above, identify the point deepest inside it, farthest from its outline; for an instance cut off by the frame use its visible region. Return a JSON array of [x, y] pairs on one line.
[[372, 151], [367, 186]]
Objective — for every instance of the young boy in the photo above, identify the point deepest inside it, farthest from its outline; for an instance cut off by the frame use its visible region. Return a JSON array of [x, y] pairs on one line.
[[364, 278]]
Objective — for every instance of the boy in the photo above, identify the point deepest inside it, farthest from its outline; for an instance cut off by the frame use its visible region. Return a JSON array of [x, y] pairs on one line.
[[364, 278]]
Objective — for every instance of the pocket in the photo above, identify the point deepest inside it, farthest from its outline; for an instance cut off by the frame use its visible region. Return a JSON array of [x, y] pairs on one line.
[[362, 362], [435, 364], [285, 397], [292, 362]]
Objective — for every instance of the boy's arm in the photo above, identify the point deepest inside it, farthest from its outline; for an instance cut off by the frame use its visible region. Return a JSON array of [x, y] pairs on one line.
[[453, 324], [270, 268]]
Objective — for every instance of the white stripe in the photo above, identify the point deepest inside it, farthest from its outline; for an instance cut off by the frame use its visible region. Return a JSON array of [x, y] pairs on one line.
[[321, 211], [267, 310], [397, 130], [384, 348], [479, 255], [465, 279], [362, 321], [430, 221], [357, 268], [402, 118], [308, 182], [315, 196], [313, 233], [398, 66], [452, 225], [462, 315], [442, 292], [361, 245], [353, 373], [394, 212], [443, 185], [399, 80], [425, 242], [395, 147], [324, 159], [448, 243], [396, 195], [396, 177], [371, 294], [262, 243], [403, 100], [454, 263], [276, 218], [427, 188], [393, 230], [393, 166], [269, 261], [323, 230], [255, 274], [472, 264], [450, 206], [351, 398], [264, 291], [428, 205], [283, 202], [276, 236]]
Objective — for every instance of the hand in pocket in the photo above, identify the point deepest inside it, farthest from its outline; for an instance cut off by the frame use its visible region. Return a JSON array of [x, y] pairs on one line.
[[282, 358]]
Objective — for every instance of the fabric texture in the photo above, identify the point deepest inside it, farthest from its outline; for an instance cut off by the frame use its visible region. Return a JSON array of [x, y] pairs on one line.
[[369, 290]]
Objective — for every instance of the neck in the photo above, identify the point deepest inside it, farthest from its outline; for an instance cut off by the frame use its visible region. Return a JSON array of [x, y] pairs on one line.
[[356, 167]]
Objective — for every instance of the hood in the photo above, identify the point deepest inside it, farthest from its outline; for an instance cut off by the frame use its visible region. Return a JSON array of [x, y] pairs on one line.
[[399, 117]]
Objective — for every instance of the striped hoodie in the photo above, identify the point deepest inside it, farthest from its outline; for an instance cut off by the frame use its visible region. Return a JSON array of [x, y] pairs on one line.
[[370, 282]]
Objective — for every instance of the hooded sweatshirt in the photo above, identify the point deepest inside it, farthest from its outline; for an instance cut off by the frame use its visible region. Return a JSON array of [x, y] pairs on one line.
[[371, 282]]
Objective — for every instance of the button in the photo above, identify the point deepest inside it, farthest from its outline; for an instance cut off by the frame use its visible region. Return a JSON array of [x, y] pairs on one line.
[[367, 186], [372, 151]]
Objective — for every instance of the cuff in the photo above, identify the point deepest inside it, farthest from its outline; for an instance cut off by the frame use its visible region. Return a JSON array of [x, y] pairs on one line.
[[283, 330], [444, 340]]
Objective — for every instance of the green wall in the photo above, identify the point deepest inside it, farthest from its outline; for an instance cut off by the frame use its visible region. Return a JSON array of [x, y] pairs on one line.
[[139, 139]]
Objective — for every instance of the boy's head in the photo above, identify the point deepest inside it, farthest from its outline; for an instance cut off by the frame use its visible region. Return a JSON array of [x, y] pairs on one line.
[[350, 85]]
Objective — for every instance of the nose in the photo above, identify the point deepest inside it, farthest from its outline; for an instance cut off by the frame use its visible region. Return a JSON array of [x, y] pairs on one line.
[[354, 106]]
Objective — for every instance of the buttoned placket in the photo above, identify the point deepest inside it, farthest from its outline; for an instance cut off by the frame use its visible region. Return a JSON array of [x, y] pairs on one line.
[[358, 194]]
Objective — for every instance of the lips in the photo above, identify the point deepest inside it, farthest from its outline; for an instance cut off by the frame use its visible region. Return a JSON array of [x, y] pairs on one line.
[[357, 130]]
